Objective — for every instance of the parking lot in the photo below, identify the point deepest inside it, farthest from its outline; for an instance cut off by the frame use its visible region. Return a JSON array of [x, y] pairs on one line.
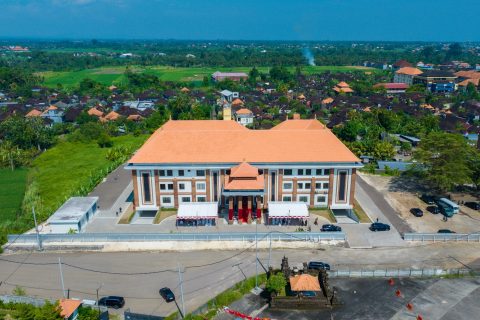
[[403, 195]]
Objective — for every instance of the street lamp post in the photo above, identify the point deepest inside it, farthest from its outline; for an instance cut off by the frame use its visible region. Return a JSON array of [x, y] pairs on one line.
[[98, 304]]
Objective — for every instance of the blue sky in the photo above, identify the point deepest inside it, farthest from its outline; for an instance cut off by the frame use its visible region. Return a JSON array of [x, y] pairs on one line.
[[403, 20]]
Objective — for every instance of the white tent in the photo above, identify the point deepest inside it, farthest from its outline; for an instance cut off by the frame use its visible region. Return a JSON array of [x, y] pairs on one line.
[[293, 210], [198, 210]]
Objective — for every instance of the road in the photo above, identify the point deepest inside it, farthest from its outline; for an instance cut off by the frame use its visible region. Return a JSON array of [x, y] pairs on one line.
[[130, 273]]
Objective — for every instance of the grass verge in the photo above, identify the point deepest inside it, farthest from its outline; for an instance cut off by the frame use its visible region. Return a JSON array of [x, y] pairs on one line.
[[12, 190], [162, 214], [362, 216], [324, 213]]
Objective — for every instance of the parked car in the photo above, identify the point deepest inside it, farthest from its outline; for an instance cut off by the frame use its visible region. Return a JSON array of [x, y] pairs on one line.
[[317, 265], [112, 302], [446, 231], [428, 199], [378, 226], [445, 210], [330, 228], [417, 212], [473, 205], [167, 294], [433, 209]]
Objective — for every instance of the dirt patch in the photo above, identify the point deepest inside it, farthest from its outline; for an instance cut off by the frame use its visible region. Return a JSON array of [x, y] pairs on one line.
[[402, 193]]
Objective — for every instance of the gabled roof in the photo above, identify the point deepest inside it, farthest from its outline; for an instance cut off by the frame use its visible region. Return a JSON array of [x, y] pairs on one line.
[[327, 100], [304, 282], [244, 111], [409, 71], [33, 113], [244, 170], [343, 84], [94, 112], [112, 115], [68, 307], [237, 101]]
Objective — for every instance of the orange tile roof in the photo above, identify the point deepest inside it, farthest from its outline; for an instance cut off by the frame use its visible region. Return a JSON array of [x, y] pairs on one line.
[[244, 170], [134, 117], [244, 177], [304, 282], [301, 97], [33, 113], [94, 112], [52, 107], [410, 71], [327, 100], [185, 90], [68, 307], [112, 115], [237, 101], [468, 74], [217, 141], [112, 87], [244, 111], [343, 84], [345, 90], [465, 83]]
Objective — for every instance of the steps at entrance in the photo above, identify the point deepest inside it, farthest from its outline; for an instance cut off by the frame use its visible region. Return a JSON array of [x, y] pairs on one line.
[[345, 220]]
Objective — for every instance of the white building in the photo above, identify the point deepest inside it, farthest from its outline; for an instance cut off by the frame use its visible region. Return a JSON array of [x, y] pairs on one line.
[[73, 215], [244, 116]]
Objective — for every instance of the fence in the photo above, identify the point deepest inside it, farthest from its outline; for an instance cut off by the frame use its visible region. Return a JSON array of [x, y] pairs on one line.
[[396, 273], [128, 315], [144, 237], [24, 299], [442, 237]]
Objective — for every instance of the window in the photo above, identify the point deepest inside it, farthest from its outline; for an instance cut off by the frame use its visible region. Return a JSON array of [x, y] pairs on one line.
[[321, 199], [326, 172], [273, 186], [170, 186], [162, 186], [201, 186], [318, 185], [325, 185], [161, 173], [287, 172], [287, 198], [299, 185], [287, 186], [318, 172], [308, 185], [342, 186], [201, 173], [147, 192], [201, 199], [308, 172], [303, 199], [165, 173], [303, 185], [185, 199], [300, 172], [166, 200], [166, 186], [181, 186], [169, 173], [181, 173]]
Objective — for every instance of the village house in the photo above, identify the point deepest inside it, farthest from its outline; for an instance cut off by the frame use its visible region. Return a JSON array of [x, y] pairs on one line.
[[243, 171], [244, 116]]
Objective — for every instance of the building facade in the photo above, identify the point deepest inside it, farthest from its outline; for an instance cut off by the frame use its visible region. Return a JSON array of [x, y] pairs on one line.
[[241, 169]]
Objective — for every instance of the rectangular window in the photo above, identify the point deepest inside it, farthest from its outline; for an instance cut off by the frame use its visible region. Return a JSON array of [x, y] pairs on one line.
[[318, 185], [166, 186], [325, 185], [185, 199], [166, 200], [201, 173], [161, 173], [303, 199], [300, 172], [287, 172], [287, 198], [318, 172], [326, 172], [287, 186], [215, 186], [201, 186], [201, 199], [147, 192], [181, 186], [299, 185], [342, 186], [170, 173], [321, 199], [308, 172], [308, 185], [163, 186], [273, 184], [181, 173], [170, 186]]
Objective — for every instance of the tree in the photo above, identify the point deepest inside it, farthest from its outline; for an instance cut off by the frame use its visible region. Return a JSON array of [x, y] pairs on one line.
[[445, 159], [383, 150], [9, 153], [276, 283]]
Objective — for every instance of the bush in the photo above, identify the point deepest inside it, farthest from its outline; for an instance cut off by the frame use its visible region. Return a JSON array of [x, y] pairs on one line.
[[104, 141], [276, 283]]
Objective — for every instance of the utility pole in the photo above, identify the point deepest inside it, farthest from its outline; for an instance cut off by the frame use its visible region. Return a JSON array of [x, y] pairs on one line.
[[98, 305], [36, 230], [180, 279], [269, 251], [61, 277]]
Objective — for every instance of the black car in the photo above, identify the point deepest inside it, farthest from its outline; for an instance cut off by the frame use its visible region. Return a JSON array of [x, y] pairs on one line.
[[317, 265], [446, 231], [112, 302], [433, 209], [378, 226], [330, 228], [473, 205], [167, 294], [427, 199], [417, 212]]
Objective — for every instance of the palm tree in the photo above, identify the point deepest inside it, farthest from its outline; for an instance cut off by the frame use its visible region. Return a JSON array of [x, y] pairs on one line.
[[9, 152]]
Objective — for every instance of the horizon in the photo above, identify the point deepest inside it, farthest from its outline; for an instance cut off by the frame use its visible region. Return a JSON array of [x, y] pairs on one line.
[[247, 20]]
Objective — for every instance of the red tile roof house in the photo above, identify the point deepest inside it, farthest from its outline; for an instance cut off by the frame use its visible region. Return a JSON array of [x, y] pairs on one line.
[[242, 171]]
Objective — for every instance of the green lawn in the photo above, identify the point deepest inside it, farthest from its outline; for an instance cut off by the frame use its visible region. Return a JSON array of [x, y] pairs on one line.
[[62, 170], [12, 189], [114, 75]]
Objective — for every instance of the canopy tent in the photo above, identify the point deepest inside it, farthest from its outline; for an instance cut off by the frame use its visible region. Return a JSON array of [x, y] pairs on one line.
[[304, 282], [198, 210], [293, 210]]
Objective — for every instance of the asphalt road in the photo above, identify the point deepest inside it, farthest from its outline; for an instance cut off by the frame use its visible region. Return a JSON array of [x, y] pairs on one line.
[[139, 275]]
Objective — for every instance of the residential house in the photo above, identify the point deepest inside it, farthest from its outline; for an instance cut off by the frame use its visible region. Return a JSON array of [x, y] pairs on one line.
[[343, 87], [69, 308], [53, 113], [406, 75], [244, 116], [393, 88]]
